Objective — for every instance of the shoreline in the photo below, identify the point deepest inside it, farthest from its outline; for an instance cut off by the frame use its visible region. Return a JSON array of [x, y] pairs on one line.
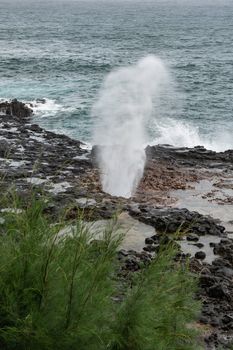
[[39, 110]]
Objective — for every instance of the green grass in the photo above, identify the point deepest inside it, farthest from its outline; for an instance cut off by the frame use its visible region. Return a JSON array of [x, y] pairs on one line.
[[58, 292]]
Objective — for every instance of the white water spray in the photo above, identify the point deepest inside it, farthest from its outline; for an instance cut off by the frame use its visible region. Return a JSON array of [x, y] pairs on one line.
[[123, 109]]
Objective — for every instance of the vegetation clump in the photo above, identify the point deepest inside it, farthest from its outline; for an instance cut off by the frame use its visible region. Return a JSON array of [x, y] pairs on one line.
[[58, 291]]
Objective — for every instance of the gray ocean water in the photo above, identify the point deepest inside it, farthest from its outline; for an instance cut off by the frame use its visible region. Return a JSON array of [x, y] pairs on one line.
[[62, 51]]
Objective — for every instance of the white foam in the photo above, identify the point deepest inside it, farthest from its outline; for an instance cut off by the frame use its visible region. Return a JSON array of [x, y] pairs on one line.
[[47, 107], [184, 134], [86, 146]]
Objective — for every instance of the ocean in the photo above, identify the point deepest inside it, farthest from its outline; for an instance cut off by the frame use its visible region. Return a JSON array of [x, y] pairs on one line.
[[56, 55]]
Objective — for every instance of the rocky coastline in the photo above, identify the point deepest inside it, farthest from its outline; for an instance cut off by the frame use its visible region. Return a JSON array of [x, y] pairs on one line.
[[187, 190]]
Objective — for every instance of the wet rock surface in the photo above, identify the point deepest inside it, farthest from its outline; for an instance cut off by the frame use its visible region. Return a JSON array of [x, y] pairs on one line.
[[15, 108], [65, 171], [191, 157], [216, 293], [31, 157], [173, 220], [215, 285]]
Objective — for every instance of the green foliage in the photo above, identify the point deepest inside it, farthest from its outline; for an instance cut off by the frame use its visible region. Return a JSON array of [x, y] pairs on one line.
[[57, 290], [158, 309]]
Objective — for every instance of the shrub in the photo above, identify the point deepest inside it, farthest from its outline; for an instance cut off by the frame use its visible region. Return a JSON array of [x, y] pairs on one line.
[[156, 312], [57, 291]]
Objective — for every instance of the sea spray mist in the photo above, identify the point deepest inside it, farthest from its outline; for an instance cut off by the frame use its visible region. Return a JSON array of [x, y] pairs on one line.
[[122, 111]]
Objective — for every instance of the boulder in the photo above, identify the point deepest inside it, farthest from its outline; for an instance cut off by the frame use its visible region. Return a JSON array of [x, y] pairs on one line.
[[16, 109]]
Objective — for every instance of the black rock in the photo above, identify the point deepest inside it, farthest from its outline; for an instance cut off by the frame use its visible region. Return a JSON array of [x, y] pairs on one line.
[[192, 237], [169, 220], [151, 248], [227, 319], [122, 254], [218, 291], [207, 280], [199, 245], [215, 321], [149, 240], [200, 255], [226, 271], [204, 319], [164, 239], [16, 109]]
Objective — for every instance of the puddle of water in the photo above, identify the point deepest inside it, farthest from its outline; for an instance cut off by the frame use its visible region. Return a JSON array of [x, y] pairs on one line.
[[13, 130], [204, 198], [193, 200], [85, 202], [59, 187], [39, 138], [189, 247], [135, 231], [82, 157], [35, 180], [13, 163]]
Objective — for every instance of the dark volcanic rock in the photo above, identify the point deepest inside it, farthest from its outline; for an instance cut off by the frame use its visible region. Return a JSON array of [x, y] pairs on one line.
[[200, 255], [216, 292], [16, 109], [172, 220], [149, 240], [151, 248], [199, 245], [33, 158], [192, 238], [219, 291], [190, 157], [207, 280]]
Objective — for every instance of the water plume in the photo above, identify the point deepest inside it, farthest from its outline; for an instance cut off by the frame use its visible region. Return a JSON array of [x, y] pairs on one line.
[[123, 109]]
